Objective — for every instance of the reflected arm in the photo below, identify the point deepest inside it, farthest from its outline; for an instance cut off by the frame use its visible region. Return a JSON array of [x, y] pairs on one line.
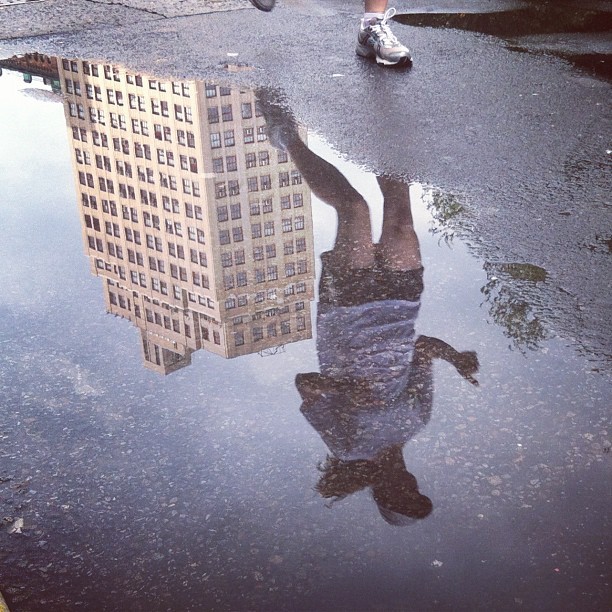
[[427, 349]]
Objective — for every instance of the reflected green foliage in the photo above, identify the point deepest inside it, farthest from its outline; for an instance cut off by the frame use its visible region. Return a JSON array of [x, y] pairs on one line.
[[509, 295], [444, 208]]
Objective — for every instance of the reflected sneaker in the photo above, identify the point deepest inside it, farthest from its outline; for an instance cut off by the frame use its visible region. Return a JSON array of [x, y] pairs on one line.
[[281, 125], [263, 5], [378, 41]]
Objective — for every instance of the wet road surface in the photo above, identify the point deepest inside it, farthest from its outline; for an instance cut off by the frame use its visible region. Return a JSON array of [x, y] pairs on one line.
[[241, 371]]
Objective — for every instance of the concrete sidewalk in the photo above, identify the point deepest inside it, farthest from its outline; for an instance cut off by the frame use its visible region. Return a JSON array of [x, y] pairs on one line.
[[21, 18]]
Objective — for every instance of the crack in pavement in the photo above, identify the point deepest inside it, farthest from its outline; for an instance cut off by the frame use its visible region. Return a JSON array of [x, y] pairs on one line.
[[143, 10]]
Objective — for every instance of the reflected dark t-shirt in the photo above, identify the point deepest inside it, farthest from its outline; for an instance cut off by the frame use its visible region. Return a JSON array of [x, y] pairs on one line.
[[374, 343]]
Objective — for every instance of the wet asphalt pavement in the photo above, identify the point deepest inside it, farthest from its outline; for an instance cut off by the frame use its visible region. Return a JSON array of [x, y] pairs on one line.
[[123, 489]]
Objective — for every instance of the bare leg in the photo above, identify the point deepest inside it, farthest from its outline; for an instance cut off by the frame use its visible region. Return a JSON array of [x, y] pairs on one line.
[[399, 244], [354, 248], [375, 6]]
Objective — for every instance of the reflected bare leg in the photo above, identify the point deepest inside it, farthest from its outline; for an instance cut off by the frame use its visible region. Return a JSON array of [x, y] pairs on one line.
[[399, 244], [354, 248]]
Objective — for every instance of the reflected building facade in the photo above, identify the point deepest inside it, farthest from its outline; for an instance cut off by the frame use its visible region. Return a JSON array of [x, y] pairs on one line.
[[199, 228]]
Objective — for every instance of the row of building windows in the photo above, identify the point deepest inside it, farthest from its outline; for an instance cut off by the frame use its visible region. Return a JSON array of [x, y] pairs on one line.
[[228, 259], [257, 333], [145, 175], [164, 157], [152, 242], [112, 73], [170, 205], [141, 127], [274, 311], [271, 295], [237, 258], [228, 137], [262, 275], [259, 230], [226, 112], [256, 183]]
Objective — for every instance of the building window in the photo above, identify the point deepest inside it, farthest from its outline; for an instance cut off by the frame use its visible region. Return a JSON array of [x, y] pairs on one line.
[[251, 160], [272, 273], [247, 110], [222, 213], [266, 182], [248, 135], [217, 165], [213, 114], [232, 163], [226, 112], [252, 184], [220, 190], [237, 234], [228, 138]]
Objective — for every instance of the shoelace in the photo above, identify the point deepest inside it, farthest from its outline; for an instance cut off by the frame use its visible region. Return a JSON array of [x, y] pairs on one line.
[[383, 31]]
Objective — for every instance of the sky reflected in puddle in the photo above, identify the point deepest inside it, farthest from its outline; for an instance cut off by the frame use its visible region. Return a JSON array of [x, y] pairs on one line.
[[256, 429]]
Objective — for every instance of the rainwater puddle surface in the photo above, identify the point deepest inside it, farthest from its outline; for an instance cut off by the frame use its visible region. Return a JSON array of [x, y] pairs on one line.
[[199, 414]]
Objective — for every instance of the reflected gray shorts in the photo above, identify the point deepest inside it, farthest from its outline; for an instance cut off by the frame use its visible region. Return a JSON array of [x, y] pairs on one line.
[[341, 286]]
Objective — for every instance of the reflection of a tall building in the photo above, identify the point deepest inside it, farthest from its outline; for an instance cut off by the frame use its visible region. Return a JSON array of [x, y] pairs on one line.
[[200, 229]]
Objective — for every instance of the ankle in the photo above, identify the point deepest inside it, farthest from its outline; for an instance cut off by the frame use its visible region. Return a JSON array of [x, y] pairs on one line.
[[368, 18]]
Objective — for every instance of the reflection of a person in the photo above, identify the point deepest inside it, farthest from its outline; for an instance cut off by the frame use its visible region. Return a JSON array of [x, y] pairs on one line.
[[374, 391]]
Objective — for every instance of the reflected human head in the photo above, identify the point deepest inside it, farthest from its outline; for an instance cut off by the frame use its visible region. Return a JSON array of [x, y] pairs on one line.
[[394, 489], [399, 501]]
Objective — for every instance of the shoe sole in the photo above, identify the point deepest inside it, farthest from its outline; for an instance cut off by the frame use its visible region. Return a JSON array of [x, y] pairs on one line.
[[368, 52], [263, 5]]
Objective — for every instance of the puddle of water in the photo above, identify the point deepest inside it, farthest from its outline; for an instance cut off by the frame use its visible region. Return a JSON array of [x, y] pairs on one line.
[[343, 457], [527, 27]]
